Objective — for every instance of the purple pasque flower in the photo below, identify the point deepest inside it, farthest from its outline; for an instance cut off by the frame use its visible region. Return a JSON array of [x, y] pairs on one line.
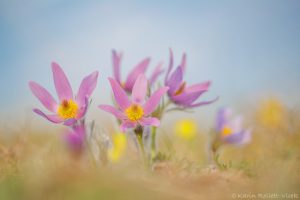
[[137, 110], [230, 130], [140, 68], [69, 108], [181, 94], [75, 138]]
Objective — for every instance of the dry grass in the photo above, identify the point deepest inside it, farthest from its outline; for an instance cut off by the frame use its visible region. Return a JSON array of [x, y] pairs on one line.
[[38, 166]]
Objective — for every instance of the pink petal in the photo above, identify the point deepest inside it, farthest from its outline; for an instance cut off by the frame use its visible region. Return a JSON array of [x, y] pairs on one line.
[[203, 103], [70, 122], [247, 137], [62, 85], [126, 125], [183, 63], [239, 138], [186, 98], [175, 80], [76, 137], [43, 95], [112, 110], [120, 95], [116, 60], [199, 87], [132, 76], [191, 93], [171, 61], [223, 116], [150, 121], [236, 124], [52, 118], [75, 141], [83, 108], [87, 87], [140, 89], [153, 101], [157, 71]]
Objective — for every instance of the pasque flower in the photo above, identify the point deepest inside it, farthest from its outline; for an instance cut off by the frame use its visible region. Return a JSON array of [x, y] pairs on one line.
[[69, 108], [137, 110], [140, 68], [230, 129], [179, 92]]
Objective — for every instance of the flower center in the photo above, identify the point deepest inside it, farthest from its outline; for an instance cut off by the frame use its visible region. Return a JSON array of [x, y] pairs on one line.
[[67, 109], [226, 131], [180, 90], [134, 112]]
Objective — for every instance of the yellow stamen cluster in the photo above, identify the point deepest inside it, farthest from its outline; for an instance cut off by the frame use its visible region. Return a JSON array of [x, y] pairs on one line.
[[226, 131], [134, 112], [68, 109]]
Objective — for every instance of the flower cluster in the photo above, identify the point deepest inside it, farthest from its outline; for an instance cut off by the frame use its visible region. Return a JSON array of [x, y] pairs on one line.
[[136, 105]]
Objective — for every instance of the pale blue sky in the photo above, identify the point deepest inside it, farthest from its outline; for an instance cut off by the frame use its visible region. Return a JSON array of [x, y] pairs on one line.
[[247, 48]]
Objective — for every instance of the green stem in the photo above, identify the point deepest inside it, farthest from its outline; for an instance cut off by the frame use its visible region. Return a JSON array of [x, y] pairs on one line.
[[142, 148], [139, 135], [153, 144], [153, 132]]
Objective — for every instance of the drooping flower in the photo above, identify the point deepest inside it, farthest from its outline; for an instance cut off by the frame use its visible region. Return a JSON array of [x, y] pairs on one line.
[[75, 138], [186, 129], [69, 108], [179, 92], [230, 129], [118, 148], [140, 68], [137, 110]]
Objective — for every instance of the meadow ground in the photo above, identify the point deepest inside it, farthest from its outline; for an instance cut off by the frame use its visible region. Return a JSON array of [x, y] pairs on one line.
[[35, 165]]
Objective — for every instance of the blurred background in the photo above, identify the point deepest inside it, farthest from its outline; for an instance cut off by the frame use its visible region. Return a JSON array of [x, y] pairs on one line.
[[249, 49]]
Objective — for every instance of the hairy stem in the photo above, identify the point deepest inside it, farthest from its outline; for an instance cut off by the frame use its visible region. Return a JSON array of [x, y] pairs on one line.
[[139, 134]]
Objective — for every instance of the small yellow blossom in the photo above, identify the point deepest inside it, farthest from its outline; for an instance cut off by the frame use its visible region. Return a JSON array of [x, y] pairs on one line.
[[272, 113], [186, 129], [119, 146]]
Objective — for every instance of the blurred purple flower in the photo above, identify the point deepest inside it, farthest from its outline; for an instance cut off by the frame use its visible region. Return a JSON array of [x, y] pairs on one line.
[[230, 129], [136, 111], [70, 108], [75, 138], [181, 94]]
